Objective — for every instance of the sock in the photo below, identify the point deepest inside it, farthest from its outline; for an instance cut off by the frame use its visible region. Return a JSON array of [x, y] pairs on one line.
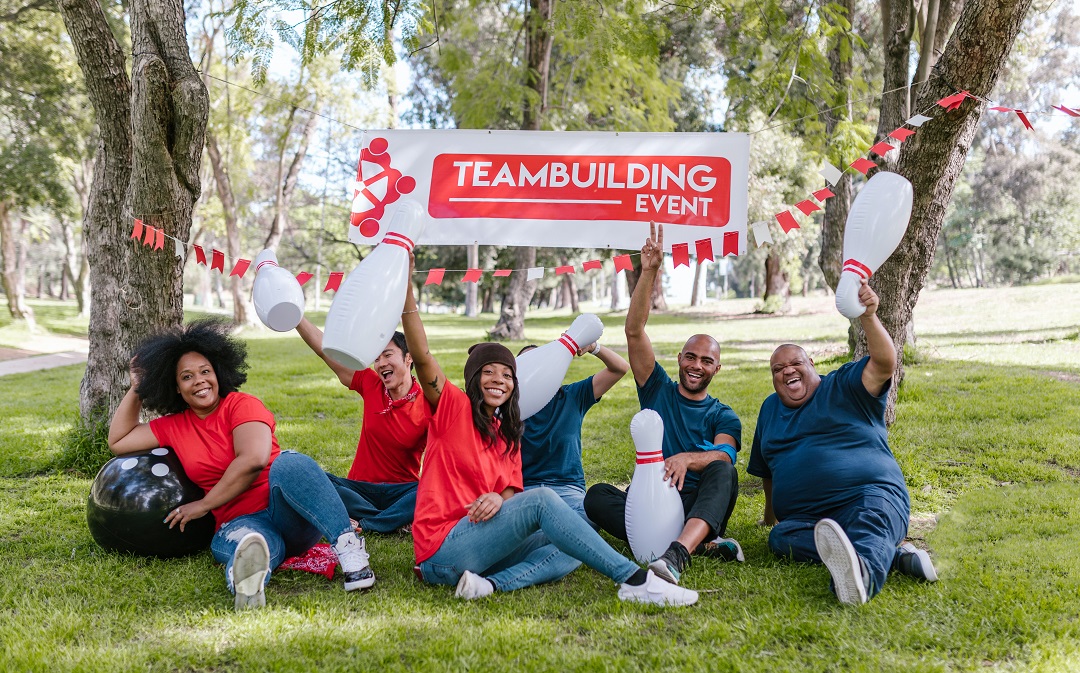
[[638, 578], [680, 553]]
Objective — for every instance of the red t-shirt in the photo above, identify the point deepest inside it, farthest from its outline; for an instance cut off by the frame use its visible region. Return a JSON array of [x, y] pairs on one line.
[[205, 449], [393, 434], [457, 470]]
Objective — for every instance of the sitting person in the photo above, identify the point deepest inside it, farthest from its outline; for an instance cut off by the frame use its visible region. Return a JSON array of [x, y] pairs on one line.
[[473, 527], [834, 493], [267, 504], [701, 436], [380, 490]]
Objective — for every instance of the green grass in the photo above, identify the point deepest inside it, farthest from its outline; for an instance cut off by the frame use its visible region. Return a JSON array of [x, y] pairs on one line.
[[986, 434]]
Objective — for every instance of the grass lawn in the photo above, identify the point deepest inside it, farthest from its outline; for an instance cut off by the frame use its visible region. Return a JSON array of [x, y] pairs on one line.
[[987, 435]]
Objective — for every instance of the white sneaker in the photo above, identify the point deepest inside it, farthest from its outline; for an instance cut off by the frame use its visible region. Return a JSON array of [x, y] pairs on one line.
[[472, 586], [656, 591], [251, 565], [840, 558], [353, 557]]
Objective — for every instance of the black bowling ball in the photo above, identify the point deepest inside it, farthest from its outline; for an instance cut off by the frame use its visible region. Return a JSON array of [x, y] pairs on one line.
[[130, 498]]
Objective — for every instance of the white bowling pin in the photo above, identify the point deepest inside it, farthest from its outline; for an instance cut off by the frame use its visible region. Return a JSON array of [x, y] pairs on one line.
[[654, 510], [367, 307], [876, 224], [276, 294], [540, 372]]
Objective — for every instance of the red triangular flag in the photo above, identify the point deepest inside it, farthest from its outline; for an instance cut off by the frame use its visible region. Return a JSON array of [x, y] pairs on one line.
[[592, 265], [472, 276], [200, 255], [881, 148], [502, 273], [703, 249], [1001, 108], [159, 239], [434, 276], [1068, 111], [303, 277], [786, 220], [1024, 119], [862, 164], [623, 263], [823, 194], [952, 102], [240, 268], [807, 206], [559, 270], [148, 235], [334, 281], [217, 261], [680, 254], [902, 134], [136, 230], [731, 242]]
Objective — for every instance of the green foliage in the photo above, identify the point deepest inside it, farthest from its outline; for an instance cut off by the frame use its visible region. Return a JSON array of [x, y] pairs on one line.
[[85, 450]]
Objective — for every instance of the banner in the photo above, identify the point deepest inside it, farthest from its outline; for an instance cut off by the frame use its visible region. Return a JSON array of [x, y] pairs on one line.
[[553, 189]]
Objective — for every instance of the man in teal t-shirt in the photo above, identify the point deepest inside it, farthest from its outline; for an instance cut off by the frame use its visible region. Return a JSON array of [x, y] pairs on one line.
[[701, 436]]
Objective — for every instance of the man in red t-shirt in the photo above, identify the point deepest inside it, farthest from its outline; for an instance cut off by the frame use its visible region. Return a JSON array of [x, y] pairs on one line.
[[380, 490]]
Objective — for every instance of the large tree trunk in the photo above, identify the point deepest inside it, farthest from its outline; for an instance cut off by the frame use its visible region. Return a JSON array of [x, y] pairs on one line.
[[147, 165], [516, 301], [12, 276], [776, 282], [472, 254], [697, 285], [898, 25], [242, 310], [934, 157]]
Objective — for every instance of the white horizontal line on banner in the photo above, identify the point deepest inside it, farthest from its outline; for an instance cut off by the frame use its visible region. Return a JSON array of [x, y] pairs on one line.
[[494, 200]]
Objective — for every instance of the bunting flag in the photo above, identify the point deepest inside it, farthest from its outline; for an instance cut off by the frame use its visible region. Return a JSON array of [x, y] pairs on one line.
[[787, 221], [148, 235], [240, 268], [882, 147], [200, 255], [918, 120], [560, 270], [179, 249], [623, 263], [862, 164], [1068, 111], [302, 277], [831, 173], [731, 243], [217, 261], [703, 249], [901, 134], [334, 281], [472, 276], [502, 273], [807, 206], [136, 230], [159, 239], [952, 102], [535, 273], [823, 194], [592, 265], [761, 233], [680, 254], [435, 276], [1024, 120]]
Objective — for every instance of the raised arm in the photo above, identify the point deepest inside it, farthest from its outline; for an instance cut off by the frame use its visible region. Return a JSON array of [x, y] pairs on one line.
[[639, 347], [126, 433], [614, 369], [428, 371], [313, 336], [879, 344]]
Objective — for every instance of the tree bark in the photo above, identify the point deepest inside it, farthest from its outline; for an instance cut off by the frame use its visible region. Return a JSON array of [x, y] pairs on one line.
[[836, 208], [516, 301], [14, 287], [898, 25], [242, 311], [776, 281], [934, 157], [472, 254]]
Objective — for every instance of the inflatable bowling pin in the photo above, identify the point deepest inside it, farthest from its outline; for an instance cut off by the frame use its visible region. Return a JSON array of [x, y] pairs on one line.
[[276, 294], [367, 307], [540, 372], [877, 221], [654, 510]]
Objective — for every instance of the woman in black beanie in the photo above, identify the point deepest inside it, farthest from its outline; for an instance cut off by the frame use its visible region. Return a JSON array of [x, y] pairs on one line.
[[473, 525]]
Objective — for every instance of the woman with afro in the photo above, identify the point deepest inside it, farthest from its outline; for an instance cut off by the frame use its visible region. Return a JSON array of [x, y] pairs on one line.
[[267, 504]]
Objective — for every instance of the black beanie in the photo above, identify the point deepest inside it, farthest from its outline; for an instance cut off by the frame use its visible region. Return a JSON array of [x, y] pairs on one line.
[[486, 353]]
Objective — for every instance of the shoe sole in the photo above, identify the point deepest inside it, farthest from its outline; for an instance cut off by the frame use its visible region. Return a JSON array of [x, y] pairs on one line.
[[664, 572], [250, 593], [365, 583], [840, 558]]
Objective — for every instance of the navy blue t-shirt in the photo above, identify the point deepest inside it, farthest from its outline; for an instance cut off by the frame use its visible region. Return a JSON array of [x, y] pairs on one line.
[[828, 452], [687, 423], [551, 442]]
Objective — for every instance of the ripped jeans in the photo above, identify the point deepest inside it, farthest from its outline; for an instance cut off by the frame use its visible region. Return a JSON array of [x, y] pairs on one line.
[[303, 507]]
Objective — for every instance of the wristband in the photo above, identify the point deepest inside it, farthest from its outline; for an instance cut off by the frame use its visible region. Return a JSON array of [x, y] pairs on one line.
[[726, 448], [596, 351]]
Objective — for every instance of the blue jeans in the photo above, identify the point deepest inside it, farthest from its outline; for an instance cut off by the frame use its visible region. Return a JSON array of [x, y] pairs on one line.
[[539, 548], [875, 525], [382, 508], [504, 550], [303, 508]]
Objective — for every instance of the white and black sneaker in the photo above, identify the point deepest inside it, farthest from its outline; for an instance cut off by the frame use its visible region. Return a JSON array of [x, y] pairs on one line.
[[251, 565], [836, 552], [353, 557], [656, 591]]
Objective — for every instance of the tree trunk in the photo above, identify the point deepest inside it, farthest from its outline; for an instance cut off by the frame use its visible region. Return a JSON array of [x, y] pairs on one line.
[[286, 179], [14, 287], [472, 254], [898, 25], [242, 310], [696, 287], [776, 282], [614, 291], [147, 165], [516, 301], [934, 157]]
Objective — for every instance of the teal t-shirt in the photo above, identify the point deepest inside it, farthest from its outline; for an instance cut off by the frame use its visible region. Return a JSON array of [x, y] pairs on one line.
[[551, 442], [828, 452], [687, 423]]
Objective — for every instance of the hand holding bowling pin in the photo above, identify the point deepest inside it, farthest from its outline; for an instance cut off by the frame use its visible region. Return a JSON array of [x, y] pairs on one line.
[[654, 512], [875, 226], [540, 372], [277, 295]]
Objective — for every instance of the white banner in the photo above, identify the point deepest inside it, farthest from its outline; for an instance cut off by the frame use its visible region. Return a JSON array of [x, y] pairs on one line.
[[555, 189]]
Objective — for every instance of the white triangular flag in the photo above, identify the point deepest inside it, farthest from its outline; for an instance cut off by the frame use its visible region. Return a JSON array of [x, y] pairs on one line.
[[831, 173], [918, 120], [535, 273], [179, 249], [761, 233]]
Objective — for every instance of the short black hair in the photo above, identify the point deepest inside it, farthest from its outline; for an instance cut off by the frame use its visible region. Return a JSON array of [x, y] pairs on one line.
[[156, 359], [525, 349], [399, 340]]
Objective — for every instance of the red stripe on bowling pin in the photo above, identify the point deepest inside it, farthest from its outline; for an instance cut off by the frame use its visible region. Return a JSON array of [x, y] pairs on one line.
[[650, 457], [570, 344], [858, 267], [394, 238], [264, 263]]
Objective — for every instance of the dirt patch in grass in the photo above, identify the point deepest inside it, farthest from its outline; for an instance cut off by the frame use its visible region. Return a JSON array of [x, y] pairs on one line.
[[1071, 471], [919, 526], [13, 353], [1067, 377]]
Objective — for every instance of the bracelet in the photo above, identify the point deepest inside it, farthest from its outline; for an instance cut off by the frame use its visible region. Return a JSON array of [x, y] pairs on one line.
[[412, 311], [596, 351]]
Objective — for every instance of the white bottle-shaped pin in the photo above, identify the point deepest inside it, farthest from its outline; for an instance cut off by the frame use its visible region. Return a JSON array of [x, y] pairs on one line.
[[367, 307], [876, 224], [276, 294], [540, 372], [654, 509]]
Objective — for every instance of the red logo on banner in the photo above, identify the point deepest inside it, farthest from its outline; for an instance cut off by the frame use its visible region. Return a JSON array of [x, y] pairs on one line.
[[675, 189], [377, 186]]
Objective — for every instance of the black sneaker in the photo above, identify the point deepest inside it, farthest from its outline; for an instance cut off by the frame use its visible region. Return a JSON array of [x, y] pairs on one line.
[[916, 563], [671, 564], [726, 548]]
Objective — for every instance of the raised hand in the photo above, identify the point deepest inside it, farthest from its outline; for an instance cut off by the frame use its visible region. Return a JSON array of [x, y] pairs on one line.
[[868, 298], [652, 253]]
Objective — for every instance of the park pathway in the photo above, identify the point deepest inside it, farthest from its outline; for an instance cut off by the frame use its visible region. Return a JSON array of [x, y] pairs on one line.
[[20, 365]]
